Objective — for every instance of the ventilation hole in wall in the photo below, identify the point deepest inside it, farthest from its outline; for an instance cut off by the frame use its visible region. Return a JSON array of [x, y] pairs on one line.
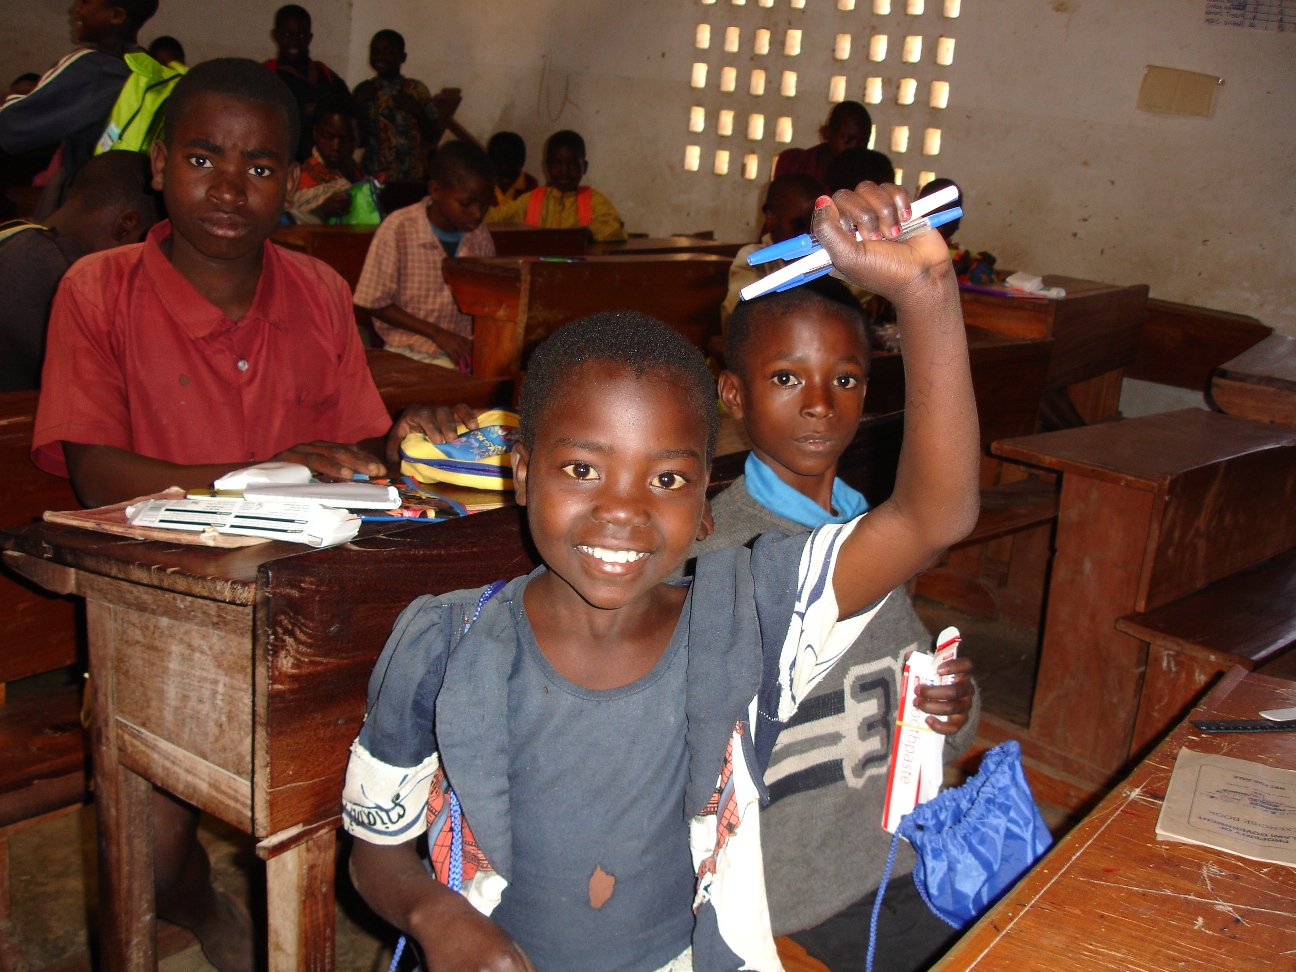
[[873, 91], [952, 8], [774, 165], [728, 78], [914, 8], [787, 86], [792, 43], [877, 47], [699, 75], [758, 82], [697, 119], [912, 53], [738, 3], [797, 4], [761, 45], [939, 94], [924, 178], [692, 157], [872, 135], [882, 7], [837, 88], [900, 138], [731, 39], [751, 165], [724, 122], [755, 127], [721, 162], [899, 177], [931, 141], [708, 2], [845, 4], [905, 91], [765, 3], [945, 51], [841, 47], [703, 39], [783, 130]]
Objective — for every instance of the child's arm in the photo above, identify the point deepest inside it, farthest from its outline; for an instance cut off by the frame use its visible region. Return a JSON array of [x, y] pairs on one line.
[[453, 935], [936, 497], [459, 348]]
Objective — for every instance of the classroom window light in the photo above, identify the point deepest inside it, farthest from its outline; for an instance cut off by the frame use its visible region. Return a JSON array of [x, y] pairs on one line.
[[728, 78], [882, 7], [792, 42], [787, 86], [764, 3], [731, 39], [877, 47], [758, 82], [774, 165], [761, 44], [703, 39], [900, 138], [697, 119], [837, 88], [952, 8], [721, 162], [783, 130], [873, 91], [939, 94], [755, 127], [914, 8], [841, 47], [724, 122], [707, 3], [906, 90], [751, 165], [699, 75], [945, 51], [845, 4], [931, 141], [899, 177], [912, 52], [872, 136], [692, 157], [924, 178], [798, 4], [738, 3]]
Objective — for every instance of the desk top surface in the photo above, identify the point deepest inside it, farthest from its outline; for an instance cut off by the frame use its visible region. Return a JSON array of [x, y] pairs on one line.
[[1137, 452], [1112, 897], [1271, 362]]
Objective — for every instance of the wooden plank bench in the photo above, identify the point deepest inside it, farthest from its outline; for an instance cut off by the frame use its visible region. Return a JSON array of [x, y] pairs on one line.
[[1260, 383], [1246, 619]]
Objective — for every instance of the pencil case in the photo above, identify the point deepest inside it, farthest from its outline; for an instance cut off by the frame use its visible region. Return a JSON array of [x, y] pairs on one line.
[[480, 458]]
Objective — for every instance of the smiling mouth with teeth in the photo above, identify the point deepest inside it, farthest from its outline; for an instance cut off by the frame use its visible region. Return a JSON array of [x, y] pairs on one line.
[[614, 556]]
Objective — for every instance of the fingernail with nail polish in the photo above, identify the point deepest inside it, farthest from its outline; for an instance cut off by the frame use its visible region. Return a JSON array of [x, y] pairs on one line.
[[821, 202]]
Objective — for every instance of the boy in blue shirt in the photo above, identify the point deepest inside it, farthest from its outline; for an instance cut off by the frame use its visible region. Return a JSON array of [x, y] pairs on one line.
[[598, 736]]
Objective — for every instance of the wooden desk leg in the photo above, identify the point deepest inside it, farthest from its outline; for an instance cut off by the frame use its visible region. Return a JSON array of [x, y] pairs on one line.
[[299, 899], [123, 820]]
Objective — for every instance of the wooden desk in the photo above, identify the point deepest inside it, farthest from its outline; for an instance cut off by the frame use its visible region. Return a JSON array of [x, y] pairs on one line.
[[1152, 509], [1111, 897], [1095, 330], [343, 248], [403, 381], [1181, 344], [1260, 383], [516, 302], [648, 246], [518, 239]]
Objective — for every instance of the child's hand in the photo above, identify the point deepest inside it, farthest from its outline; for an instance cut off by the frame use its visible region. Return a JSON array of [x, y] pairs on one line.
[[333, 459], [894, 270], [463, 940], [457, 347], [953, 700]]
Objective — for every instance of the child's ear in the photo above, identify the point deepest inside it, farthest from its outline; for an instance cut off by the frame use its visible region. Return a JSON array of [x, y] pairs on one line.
[[707, 526], [157, 161], [730, 390], [294, 174], [520, 460], [126, 227]]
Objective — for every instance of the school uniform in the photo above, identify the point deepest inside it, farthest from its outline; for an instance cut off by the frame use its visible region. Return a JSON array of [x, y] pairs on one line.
[[546, 207], [309, 88], [33, 260], [136, 358], [523, 184]]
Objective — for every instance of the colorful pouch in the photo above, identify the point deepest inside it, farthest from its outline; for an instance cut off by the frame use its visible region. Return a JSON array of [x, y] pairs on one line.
[[480, 458]]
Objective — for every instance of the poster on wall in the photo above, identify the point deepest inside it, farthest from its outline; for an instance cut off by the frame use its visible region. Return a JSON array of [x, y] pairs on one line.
[[1257, 14]]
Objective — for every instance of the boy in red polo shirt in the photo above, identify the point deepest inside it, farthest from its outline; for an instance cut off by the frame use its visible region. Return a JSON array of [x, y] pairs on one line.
[[202, 350]]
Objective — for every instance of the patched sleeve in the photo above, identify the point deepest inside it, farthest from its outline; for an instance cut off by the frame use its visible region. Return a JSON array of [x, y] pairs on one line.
[[394, 757]]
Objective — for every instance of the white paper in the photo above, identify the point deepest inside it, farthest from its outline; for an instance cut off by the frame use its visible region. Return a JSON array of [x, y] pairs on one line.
[[294, 522], [266, 472]]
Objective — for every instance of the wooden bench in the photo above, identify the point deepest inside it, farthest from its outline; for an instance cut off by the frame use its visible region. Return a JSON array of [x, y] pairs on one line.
[[1181, 344], [1260, 383], [1246, 619]]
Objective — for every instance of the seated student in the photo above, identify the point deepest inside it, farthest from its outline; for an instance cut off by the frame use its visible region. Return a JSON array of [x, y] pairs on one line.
[[401, 284], [108, 205], [856, 165], [507, 153], [402, 126], [789, 201], [605, 733], [796, 368], [331, 170], [71, 103], [203, 350], [563, 203], [167, 50], [848, 125], [309, 81]]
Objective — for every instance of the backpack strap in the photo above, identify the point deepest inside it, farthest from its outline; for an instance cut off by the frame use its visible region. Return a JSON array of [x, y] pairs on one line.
[[13, 227], [535, 205]]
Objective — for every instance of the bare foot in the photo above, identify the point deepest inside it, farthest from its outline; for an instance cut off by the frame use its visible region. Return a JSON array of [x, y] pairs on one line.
[[227, 938]]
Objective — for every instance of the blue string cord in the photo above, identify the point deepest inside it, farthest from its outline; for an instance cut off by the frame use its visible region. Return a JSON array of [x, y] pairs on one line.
[[877, 901]]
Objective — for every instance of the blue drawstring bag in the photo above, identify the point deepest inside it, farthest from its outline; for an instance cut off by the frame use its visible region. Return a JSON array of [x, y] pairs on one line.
[[972, 842]]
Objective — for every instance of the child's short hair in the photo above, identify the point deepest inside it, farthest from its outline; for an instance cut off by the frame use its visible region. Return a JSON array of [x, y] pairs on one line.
[[849, 110], [564, 139], [235, 77], [292, 11], [507, 150], [641, 343], [750, 316], [335, 103], [396, 37], [166, 43], [857, 165], [138, 12], [457, 159], [792, 187], [116, 180]]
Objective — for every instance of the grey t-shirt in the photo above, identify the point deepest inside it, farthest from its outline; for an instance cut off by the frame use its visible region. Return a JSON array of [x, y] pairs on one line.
[[594, 850], [32, 263]]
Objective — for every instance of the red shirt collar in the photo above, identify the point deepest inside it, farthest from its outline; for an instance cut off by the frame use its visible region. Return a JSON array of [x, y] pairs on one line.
[[198, 316]]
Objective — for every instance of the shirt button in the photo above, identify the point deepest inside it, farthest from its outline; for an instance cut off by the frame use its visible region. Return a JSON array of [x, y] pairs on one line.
[[242, 365]]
